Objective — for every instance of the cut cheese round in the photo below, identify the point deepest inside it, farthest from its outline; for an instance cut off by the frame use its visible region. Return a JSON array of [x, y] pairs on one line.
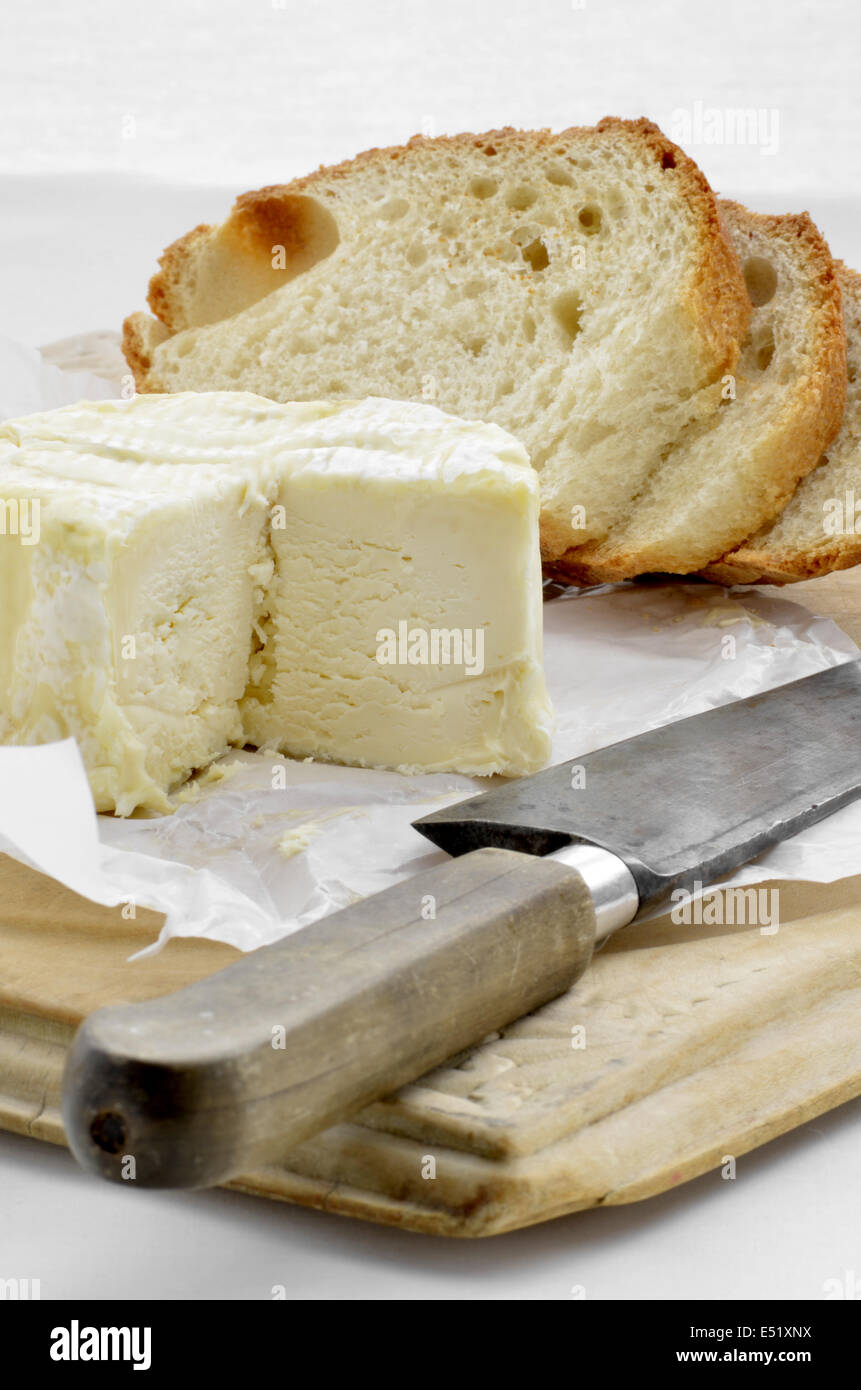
[[357, 582]]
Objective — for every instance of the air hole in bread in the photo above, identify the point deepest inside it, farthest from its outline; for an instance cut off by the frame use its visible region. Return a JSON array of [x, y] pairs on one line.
[[281, 235], [393, 209], [532, 248], [554, 173], [763, 347], [483, 187], [535, 255], [473, 289], [521, 197], [185, 344], [417, 254], [449, 226], [529, 328], [589, 218], [474, 344], [760, 277], [764, 356], [490, 150], [668, 160], [567, 310], [539, 458]]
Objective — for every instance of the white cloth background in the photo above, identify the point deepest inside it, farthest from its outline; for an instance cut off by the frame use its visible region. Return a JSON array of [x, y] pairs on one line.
[[123, 126]]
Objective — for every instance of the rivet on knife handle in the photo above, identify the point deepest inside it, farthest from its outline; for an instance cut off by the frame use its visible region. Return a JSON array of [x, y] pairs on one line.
[[233, 1071]]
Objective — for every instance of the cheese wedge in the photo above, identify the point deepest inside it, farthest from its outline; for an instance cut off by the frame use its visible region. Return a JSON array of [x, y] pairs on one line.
[[357, 582]]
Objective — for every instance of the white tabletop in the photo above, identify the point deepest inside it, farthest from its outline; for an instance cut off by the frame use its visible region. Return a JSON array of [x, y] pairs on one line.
[[121, 128]]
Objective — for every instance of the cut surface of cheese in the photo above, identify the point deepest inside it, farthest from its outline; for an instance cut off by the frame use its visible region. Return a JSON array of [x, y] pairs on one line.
[[357, 582]]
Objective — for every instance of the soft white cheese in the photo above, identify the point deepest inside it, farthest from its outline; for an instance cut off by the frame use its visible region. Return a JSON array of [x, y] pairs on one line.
[[357, 582]]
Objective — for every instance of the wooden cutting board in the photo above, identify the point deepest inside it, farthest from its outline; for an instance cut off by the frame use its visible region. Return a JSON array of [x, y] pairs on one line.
[[682, 1049]]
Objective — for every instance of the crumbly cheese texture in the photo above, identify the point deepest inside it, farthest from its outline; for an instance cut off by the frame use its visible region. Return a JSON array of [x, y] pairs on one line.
[[357, 582]]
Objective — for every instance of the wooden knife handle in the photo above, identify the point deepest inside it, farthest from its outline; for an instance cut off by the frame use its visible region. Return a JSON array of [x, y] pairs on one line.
[[231, 1072]]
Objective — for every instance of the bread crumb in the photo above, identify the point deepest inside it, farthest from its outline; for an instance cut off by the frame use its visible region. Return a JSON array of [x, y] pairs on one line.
[[727, 614], [188, 793], [218, 772], [296, 841]]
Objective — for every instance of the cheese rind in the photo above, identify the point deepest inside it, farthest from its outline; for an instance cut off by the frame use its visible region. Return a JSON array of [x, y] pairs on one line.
[[214, 570]]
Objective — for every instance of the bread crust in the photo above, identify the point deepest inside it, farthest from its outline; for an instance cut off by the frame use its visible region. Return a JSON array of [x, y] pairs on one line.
[[718, 303], [816, 419], [141, 335], [164, 285]]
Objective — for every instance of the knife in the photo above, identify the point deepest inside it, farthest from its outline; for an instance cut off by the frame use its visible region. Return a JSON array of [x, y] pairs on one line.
[[233, 1071]]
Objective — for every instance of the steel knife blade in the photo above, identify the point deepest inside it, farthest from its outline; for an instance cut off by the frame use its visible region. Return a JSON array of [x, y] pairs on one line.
[[689, 801]]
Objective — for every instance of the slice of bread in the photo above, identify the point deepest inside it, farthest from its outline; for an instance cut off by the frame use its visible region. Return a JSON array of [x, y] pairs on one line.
[[816, 531], [735, 471], [578, 289]]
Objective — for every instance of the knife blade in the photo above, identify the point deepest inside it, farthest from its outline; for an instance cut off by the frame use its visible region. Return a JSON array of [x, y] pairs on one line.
[[233, 1071], [691, 800]]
